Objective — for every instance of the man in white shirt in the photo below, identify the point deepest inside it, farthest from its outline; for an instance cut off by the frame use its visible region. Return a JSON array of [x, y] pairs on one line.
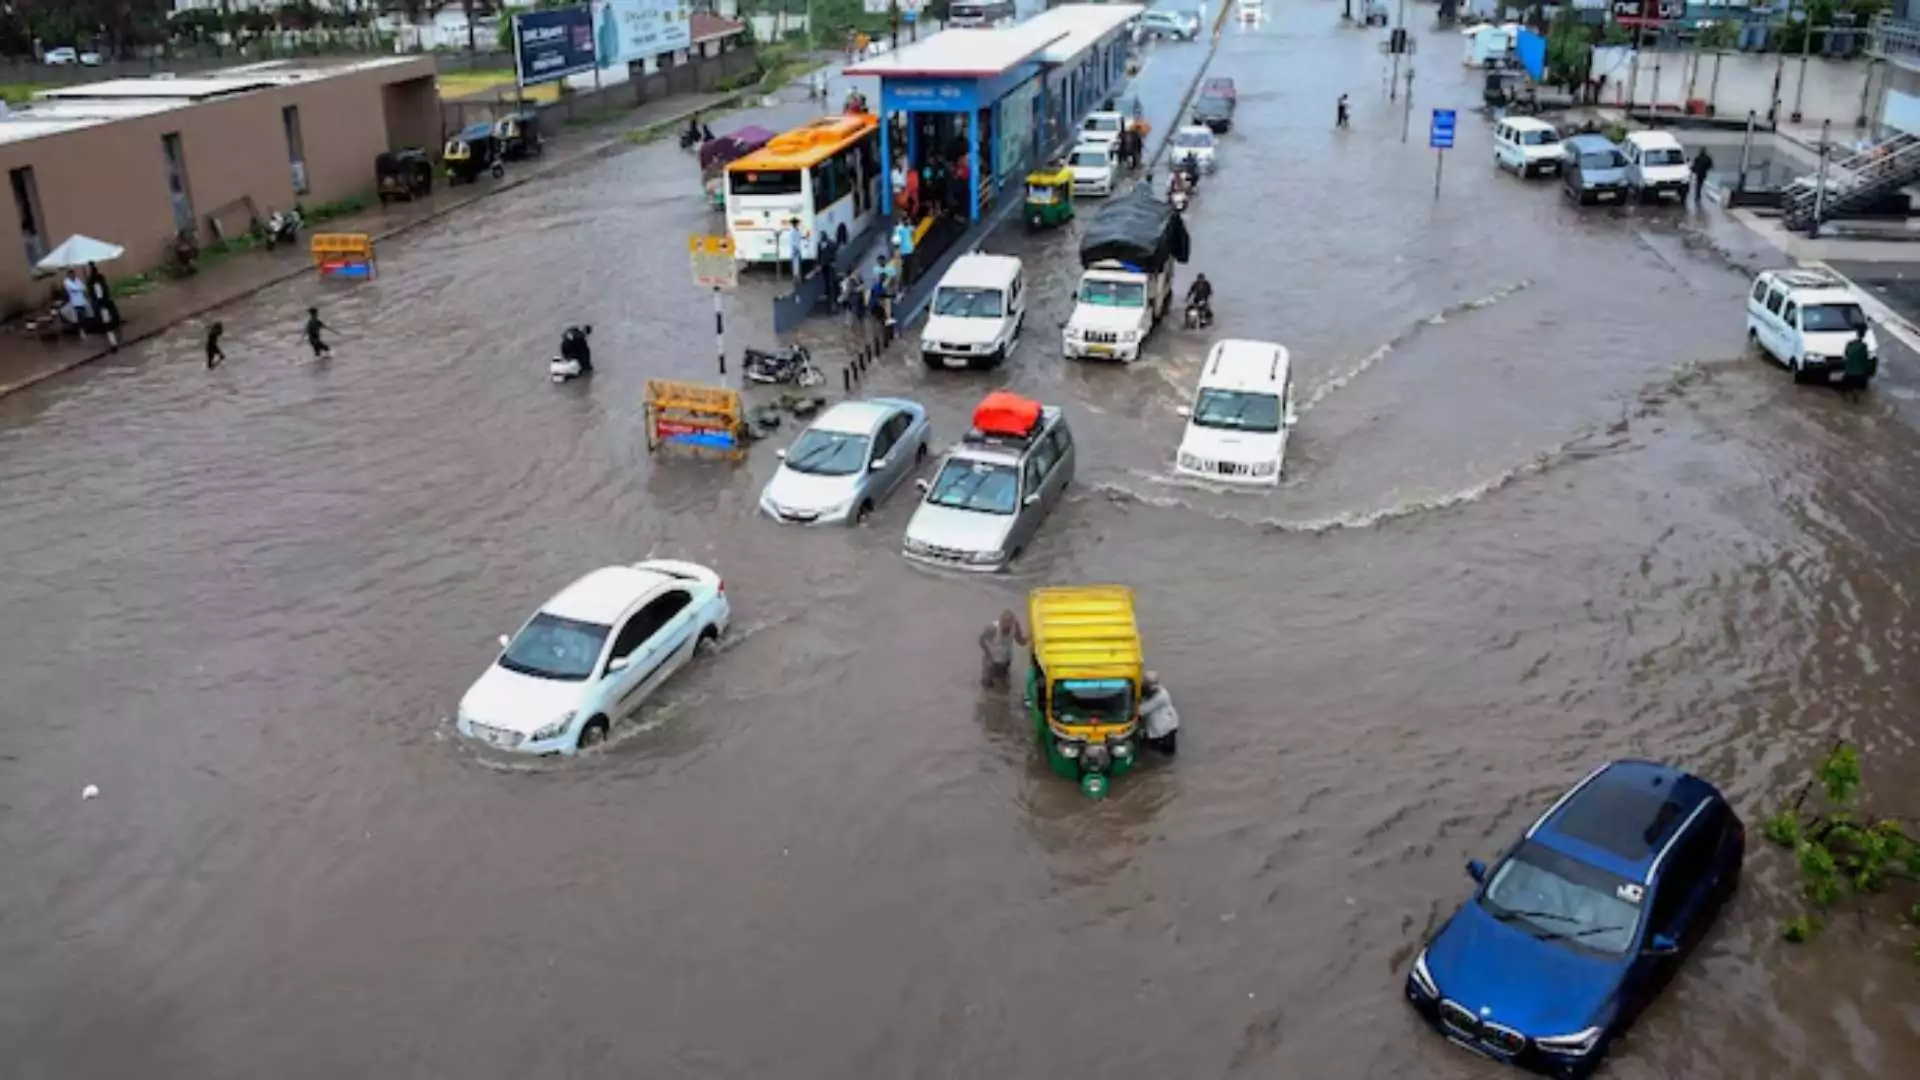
[[1157, 716], [77, 300]]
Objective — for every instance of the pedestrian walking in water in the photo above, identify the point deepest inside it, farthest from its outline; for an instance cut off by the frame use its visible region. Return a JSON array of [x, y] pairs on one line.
[[1340, 112], [214, 354], [1858, 364], [996, 650], [1701, 166], [314, 326]]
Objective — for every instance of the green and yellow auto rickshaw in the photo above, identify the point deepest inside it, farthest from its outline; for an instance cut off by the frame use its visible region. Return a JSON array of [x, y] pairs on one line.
[[1049, 197], [1083, 690], [475, 150]]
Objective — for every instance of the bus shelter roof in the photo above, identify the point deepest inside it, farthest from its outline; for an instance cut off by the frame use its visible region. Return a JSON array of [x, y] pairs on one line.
[[967, 54], [1080, 27]]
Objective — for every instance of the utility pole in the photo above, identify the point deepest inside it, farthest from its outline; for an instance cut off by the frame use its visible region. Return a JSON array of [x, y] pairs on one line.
[[1396, 39], [893, 15], [1406, 118], [1806, 53]]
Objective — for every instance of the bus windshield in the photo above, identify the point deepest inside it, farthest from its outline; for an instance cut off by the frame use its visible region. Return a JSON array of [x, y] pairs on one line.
[[764, 182]]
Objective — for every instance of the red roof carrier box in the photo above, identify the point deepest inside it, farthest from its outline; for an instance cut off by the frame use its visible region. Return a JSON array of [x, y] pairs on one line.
[[1006, 414]]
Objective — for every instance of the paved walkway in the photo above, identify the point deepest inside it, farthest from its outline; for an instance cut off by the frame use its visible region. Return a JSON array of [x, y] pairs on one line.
[[25, 360]]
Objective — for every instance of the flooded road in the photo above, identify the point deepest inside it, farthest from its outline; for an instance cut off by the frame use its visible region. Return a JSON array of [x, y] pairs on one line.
[[1541, 512]]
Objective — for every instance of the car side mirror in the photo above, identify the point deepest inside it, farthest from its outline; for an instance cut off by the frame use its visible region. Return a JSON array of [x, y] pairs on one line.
[[1031, 500], [781, 454], [505, 641], [924, 485], [878, 465], [618, 663], [1662, 945], [1477, 870], [1184, 411]]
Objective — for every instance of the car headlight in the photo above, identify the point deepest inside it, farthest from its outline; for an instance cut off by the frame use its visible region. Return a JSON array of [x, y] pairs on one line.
[[1424, 978], [986, 557], [1263, 468], [1068, 750], [553, 730], [1580, 1042], [1129, 336], [918, 547], [1188, 461], [1074, 333]]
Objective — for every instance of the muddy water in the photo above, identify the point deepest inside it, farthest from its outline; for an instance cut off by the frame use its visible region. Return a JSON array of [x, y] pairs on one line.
[[1542, 512]]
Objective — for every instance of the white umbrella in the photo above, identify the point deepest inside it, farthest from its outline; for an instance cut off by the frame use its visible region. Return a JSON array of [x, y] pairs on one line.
[[79, 251]]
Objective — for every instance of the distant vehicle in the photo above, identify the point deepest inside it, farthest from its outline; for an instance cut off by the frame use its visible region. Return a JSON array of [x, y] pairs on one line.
[[1251, 10], [1656, 165], [90, 59], [592, 655], [1527, 146], [64, 56], [1195, 141], [1593, 169], [1219, 86], [1241, 415], [981, 14], [1178, 25], [976, 312], [1804, 319], [1580, 924], [1101, 127], [1214, 112], [995, 488], [1093, 169], [847, 462]]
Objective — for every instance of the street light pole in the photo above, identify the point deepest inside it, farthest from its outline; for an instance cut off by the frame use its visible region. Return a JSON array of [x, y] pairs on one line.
[[1393, 37]]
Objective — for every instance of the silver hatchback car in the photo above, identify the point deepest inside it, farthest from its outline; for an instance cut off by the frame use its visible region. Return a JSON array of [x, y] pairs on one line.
[[847, 462], [990, 496]]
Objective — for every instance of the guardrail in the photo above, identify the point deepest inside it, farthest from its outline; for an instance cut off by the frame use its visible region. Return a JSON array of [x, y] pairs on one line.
[[1895, 39]]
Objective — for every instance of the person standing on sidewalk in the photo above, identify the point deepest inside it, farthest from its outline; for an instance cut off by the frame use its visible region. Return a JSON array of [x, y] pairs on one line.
[[1701, 165], [77, 300]]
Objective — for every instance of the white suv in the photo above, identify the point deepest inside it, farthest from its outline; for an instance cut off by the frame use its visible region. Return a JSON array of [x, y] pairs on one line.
[[1242, 411], [1804, 319]]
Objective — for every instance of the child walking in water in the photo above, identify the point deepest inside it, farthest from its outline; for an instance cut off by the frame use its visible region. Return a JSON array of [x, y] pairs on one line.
[[314, 326], [214, 355]]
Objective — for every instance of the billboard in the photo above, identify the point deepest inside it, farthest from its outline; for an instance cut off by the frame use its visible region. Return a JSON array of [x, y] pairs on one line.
[[629, 31], [549, 45]]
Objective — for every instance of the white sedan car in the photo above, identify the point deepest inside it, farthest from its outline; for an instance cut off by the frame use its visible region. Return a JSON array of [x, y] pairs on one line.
[[1092, 165], [591, 655], [1196, 141]]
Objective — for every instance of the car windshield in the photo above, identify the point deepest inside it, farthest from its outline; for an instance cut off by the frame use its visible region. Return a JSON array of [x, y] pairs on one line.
[[1561, 899], [828, 453], [1602, 159], [1832, 318], [1103, 123], [1670, 155], [985, 486], [1090, 159], [961, 303], [1198, 140], [1237, 410], [1115, 294], [1092, 701], [551, 647], [1538, 138]]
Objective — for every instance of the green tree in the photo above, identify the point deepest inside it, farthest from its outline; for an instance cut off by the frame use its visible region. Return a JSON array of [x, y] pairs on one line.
[[1839, 850]]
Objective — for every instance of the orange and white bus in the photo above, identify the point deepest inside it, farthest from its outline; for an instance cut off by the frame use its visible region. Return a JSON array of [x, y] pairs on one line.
[[825, 174]]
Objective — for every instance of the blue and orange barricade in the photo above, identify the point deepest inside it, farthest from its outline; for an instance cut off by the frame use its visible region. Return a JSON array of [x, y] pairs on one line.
[[344, 255], [704, 419]]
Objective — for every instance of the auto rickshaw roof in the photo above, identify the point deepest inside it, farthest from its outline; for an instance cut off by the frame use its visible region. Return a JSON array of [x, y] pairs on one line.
[[1051, 174], [474, 132], [1085, 631]]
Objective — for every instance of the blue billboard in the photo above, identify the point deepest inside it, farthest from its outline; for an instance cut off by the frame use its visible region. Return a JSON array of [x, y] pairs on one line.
[[549, 45]]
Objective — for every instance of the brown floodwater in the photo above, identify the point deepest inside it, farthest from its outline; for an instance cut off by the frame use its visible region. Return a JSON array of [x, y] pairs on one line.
[[1542, 511]]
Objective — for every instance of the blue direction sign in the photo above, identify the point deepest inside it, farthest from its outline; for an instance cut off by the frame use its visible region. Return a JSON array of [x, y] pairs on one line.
[[1440, 134]]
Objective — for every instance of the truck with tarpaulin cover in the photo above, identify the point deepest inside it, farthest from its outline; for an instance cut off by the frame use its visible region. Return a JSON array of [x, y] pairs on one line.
[[1126, 285]]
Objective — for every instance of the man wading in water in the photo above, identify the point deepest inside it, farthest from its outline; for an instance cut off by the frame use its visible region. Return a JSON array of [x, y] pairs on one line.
[[314, 326], [996, 650]]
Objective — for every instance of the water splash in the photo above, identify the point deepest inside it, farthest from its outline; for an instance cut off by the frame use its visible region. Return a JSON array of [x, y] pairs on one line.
[[1339, 380]]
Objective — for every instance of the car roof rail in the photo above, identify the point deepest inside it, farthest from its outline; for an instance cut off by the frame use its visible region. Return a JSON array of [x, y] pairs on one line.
[[1810, 278]]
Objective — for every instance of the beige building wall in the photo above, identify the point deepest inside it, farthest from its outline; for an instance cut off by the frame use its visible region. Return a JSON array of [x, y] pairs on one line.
[[109, 180]]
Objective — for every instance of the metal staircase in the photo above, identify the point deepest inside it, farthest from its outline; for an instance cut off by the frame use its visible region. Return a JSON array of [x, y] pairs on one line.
[[1852, 182]]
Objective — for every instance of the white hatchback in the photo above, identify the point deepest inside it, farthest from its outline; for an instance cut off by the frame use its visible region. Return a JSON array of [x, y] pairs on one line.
[[591, 655], [1101, 127], [1242, 411], [1196, 141], [1092, 167]]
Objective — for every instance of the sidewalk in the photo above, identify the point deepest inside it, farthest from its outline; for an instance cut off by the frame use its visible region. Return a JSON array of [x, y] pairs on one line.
[[25, 361]]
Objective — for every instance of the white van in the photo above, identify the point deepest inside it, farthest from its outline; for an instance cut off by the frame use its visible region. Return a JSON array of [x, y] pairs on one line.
[[1527, 146], [1656, 165], [1241, 413], [1804, 318], [976, 313]]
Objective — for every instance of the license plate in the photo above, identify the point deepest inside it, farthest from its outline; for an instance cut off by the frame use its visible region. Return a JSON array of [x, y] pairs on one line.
[[1604, 195], [1099, 350], [954, 361], [1836, 375], [493, 736]]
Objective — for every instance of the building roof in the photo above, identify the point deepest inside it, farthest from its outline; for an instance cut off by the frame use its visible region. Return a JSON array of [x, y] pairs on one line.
[[1083, 24], [706, 27], [974, 54]]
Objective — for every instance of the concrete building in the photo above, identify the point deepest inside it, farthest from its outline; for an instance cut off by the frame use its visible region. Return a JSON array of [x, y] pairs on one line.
[[136, 161]]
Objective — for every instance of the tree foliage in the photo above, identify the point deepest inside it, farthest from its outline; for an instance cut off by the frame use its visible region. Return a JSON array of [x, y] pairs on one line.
[[1840, 850]]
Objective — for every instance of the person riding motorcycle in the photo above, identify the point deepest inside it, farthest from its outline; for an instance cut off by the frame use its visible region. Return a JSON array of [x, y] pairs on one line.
[[1179, 183], [1200, 297], [1190, 166], [690, 138], [574, 347]]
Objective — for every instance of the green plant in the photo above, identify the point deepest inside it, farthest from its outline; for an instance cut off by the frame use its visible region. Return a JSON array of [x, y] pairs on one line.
[[1839, 850]]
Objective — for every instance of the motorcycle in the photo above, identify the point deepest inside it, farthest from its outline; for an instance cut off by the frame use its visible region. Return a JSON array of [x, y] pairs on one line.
[[785, 367], [1199, 314], [1178, 196], [560, 369], [283, 228], [564, 368]]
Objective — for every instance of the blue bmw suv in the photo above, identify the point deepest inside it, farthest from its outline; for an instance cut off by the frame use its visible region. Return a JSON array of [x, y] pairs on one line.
[[1579, 925]]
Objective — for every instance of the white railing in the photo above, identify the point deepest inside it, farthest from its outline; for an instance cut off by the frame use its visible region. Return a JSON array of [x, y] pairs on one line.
[[1895, 39]]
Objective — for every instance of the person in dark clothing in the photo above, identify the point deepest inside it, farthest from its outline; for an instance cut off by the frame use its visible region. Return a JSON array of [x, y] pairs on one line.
[[706, 134], [1201, 291], [574, 347], [1340, 112], [1858, 364], [214, 354], [829, 253], [1701, 166], [314, 326]]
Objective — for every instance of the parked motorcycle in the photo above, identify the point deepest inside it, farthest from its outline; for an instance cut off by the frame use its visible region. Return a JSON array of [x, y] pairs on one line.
[[785, 367], [283, 228]]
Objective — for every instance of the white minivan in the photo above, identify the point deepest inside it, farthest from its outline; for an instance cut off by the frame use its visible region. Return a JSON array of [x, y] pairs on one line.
[[1805, 318], [1242, 410], [1528, 146], [1656, 166], [976, 313]]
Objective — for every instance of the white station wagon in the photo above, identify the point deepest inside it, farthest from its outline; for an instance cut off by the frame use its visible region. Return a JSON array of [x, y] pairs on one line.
[[591, 655]]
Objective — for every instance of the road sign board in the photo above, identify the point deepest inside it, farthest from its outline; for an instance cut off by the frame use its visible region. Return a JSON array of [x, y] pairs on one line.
[[1440, 134], [713, 263]]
